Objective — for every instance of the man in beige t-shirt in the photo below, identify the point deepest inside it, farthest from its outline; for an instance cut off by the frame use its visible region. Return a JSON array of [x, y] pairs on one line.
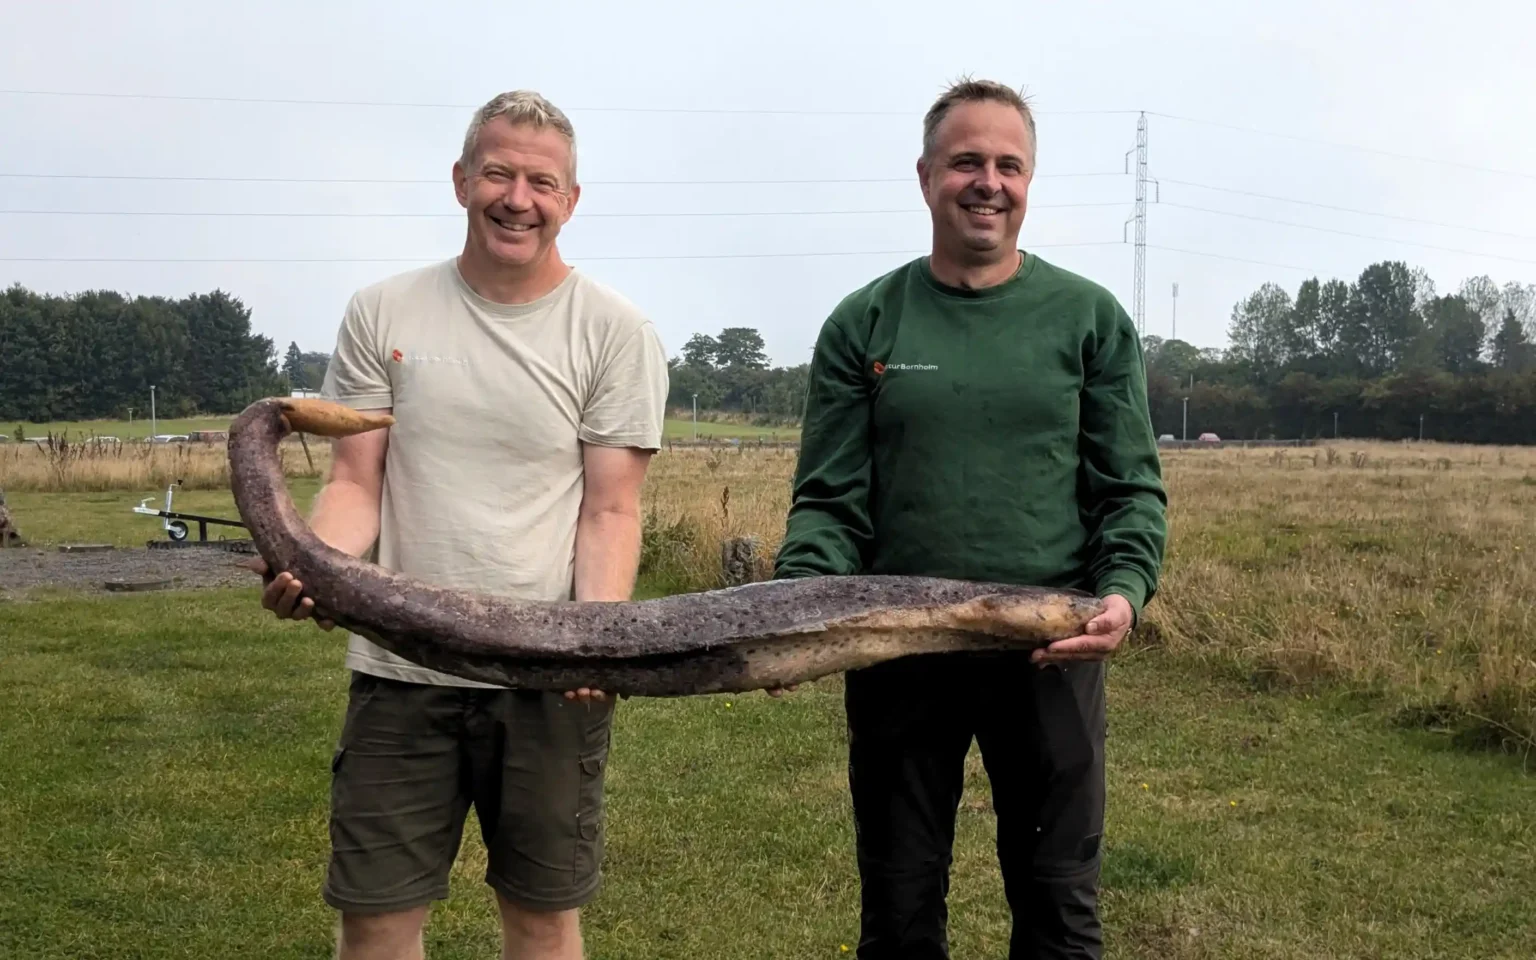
[[493, 404], [527, 399]]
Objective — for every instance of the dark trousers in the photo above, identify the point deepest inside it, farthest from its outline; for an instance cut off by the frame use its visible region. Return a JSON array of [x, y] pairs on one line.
[[1041, 734]]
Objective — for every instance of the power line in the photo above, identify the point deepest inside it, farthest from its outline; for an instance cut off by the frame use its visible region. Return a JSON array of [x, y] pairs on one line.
[[1223, 256], [1343, 233], [439, 181], [755, 111], [1316, 141], [460, 214], [1363, 213], [694, 256], [294, 101]]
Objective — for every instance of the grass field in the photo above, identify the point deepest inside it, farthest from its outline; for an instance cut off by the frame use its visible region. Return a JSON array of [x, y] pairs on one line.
[[1318, 742], [166, 789], [137, 429], [682, 429], [677, 429], [1404, 570], [51, 519]]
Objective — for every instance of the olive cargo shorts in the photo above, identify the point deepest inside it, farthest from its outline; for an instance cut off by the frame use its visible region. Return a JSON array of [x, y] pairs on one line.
[[412, 758]]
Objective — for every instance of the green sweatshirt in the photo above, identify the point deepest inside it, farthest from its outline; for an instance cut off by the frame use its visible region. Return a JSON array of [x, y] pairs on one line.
[[999, 435]]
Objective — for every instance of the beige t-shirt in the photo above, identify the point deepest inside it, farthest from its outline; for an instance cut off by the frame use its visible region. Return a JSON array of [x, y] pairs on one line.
[[483, 475]]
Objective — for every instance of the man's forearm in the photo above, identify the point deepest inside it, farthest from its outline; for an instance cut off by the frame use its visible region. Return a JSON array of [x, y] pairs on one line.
[[346, 516], [607, 555]]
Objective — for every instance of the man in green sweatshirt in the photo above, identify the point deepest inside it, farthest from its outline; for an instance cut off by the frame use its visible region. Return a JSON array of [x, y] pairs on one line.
[[981, 414]]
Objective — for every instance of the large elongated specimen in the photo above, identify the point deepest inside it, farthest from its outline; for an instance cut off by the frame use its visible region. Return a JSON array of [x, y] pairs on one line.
[[756, 636]]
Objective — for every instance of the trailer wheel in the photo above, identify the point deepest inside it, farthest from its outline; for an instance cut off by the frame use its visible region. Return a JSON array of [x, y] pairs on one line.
[[176, 530]]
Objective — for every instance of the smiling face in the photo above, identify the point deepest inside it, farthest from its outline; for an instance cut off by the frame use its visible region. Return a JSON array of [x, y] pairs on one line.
[[975, 180], [518, 188]]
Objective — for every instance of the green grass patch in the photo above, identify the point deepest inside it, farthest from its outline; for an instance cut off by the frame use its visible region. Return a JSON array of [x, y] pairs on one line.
[[48, 519], [683, 430], [166, 781], [138, 429]]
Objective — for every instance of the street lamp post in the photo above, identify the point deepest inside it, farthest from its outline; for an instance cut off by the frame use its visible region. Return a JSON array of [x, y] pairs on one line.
[[695, 417], [1186, 419], [154, 428]]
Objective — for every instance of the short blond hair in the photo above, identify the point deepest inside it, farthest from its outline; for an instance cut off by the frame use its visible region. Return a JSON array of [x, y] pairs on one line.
[[966, 90], [520, 107]]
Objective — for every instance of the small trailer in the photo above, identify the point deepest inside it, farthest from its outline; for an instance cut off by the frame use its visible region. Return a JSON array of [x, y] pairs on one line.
[[176, 523]]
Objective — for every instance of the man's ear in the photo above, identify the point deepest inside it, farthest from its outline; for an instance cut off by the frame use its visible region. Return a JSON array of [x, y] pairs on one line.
[[575, 195], [460, 184], [922, 177]]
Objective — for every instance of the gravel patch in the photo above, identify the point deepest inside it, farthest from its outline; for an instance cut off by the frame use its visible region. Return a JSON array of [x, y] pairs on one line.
[[186, 568]]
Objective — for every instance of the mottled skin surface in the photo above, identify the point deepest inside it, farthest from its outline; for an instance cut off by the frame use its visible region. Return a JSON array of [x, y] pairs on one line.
[[757, 636]]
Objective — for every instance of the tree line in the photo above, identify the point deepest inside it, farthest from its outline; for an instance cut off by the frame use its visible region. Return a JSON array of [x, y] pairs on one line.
[[729, 373], [1367, 359], [95, 355]]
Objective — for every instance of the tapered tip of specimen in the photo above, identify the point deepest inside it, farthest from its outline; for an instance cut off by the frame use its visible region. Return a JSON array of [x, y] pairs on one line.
[[327, 418]]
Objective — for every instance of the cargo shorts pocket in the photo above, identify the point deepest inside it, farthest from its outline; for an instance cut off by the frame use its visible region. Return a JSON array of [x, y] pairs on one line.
[[590, 810], [361, 690]]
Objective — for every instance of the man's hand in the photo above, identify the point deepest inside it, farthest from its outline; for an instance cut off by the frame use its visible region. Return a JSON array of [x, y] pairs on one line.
[[281, 596], [586, 695], [777, 692], [1100, 638]]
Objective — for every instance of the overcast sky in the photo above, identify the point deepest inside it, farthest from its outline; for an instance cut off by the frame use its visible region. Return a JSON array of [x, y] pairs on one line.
[[1451, 82]]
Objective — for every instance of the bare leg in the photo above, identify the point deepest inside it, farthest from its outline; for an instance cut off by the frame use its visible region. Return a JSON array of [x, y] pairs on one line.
[[381, 936], [534, 935]]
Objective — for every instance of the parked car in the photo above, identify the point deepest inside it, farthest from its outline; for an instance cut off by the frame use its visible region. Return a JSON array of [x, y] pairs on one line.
[[1165, 438], [1209, 438]]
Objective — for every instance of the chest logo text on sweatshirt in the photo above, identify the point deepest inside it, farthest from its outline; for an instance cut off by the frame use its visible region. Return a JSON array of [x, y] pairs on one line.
[[880, 368]]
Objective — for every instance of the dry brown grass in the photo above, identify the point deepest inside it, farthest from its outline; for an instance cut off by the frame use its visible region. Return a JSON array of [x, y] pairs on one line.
[[695, 499], [95, 466], [1405, 568]]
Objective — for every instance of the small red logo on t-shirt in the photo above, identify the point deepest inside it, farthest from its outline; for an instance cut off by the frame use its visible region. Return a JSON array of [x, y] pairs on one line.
[[398, 356], [879, 368]]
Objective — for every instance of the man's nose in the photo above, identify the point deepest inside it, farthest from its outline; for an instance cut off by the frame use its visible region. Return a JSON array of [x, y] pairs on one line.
[[987, 179], [517, 195]]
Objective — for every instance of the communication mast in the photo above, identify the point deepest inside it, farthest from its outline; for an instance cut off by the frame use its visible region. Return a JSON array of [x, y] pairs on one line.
[[1139, 294]]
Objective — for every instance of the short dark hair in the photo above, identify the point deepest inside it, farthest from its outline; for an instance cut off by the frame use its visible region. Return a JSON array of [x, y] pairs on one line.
[[966, 90]]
